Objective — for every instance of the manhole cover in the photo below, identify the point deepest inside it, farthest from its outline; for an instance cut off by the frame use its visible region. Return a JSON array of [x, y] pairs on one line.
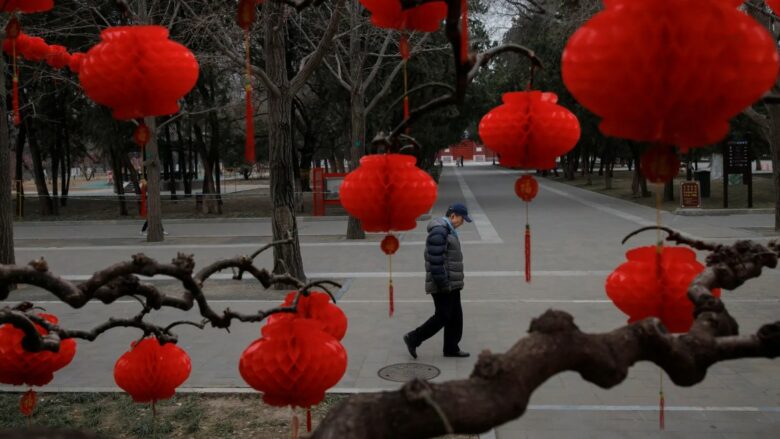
[[403, 372]]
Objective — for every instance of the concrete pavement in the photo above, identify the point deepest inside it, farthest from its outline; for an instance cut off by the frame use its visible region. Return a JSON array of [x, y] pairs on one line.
[[576, 243]]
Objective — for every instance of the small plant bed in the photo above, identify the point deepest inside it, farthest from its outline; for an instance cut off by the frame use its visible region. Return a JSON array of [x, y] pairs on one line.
[[115, 415]]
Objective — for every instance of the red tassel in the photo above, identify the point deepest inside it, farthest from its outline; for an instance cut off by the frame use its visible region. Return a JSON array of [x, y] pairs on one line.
[[390, 292], [661, 417], [527, 253], [464, 32], [249, 149], [405, 53], [28, 402], [308, 420], [15, 102]]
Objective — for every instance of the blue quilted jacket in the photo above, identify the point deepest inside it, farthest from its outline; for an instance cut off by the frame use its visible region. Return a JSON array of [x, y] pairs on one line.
[[443, 259]]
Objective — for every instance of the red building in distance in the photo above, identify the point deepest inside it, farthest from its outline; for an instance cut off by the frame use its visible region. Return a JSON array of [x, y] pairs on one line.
[[469, 150]]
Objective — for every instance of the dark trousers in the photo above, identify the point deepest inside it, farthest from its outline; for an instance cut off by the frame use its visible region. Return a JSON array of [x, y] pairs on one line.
[[448, 315]]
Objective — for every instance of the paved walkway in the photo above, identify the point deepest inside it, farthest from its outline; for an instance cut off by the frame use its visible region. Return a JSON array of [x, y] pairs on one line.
[[576, 238]]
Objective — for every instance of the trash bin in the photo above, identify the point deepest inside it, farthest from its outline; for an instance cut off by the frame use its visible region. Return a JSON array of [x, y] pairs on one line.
[[703, 177]]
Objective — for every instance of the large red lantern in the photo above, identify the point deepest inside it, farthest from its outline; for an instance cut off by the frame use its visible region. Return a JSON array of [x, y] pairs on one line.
[[19, 367], [151, 371], [530, 130], [137, 72], [316, 306], [669, 71], [653, 284], [387, 192], [27, 6], [660, 164], [294, 363]]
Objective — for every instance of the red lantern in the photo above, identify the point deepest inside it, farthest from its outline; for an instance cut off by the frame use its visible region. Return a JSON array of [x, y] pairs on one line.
[[151, 372], [390, 15], [526, 188], [245, 17], [669, 71], [317, 307], [19, 367], [27, 6], [641, 290], [387, 192], [294, 363], [660, 164], [137, 72], [58, 56], [530, 130], [32, 48]]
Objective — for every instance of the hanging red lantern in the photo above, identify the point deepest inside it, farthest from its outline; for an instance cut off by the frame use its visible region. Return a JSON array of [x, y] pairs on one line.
[[151, 371], [387, 192], [389, 14], [294, 363], [660, 164], [19, 367], [137, 72], [654, 70], [245, 17], [27, 6], [318, 307], [653, 284], [530, 130]]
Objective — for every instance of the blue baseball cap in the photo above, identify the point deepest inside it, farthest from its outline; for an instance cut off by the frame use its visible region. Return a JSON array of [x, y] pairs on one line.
[[461, 210]]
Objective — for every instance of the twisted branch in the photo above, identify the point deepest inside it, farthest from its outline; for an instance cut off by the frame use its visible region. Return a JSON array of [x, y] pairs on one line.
[[501, 385]]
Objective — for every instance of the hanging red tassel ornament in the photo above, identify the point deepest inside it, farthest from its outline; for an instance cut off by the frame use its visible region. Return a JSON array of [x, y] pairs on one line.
[[404, 46], [12, 31], [28, 402], [389, 246], [464, 32], [526, 188]]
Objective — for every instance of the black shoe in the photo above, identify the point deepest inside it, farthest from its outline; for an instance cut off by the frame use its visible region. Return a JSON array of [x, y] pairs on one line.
[[410, 346], [459, 354]]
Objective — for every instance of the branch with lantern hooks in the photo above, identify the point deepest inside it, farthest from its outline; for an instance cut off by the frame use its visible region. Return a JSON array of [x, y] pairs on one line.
[[500, 386], [121, 280]]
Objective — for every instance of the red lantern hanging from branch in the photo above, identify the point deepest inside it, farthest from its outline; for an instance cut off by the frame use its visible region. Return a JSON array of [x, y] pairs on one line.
[[389, 14], [294, 363], [19, 367], [58, 56], [530, 130], [387, 192], [151, 372], [669, 71], [75, 62], [138, 72], [650, 284], [318, 307]]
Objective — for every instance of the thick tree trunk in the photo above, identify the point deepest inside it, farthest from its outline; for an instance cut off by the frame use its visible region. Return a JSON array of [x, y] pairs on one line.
[[40, 178], [56, 158], [119, 187], [354, 230], [279, 131], [6, 210], [154, 204], [186, 176], [774, 117], [170, 164]]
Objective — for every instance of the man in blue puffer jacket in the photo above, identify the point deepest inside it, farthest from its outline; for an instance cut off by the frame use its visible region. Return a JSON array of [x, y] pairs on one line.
[[443, 280]]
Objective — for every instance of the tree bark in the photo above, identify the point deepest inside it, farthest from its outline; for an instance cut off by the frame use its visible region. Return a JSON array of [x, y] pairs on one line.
[[66, 166], [154, 204], [56, 158], [21, 139], [169, 163], [354, 229], [774, 116], [40, 179], [280, 144], [119, 187], [6, 209]]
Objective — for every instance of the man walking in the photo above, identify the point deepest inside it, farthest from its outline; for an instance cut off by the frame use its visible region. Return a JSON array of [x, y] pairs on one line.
[[444, 281]]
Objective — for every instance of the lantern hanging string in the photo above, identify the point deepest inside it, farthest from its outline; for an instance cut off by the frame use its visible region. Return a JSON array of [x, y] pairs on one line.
[[659, 275], [249, 149], [390, 288], [308, 419], [527, 245], [294, 424]]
